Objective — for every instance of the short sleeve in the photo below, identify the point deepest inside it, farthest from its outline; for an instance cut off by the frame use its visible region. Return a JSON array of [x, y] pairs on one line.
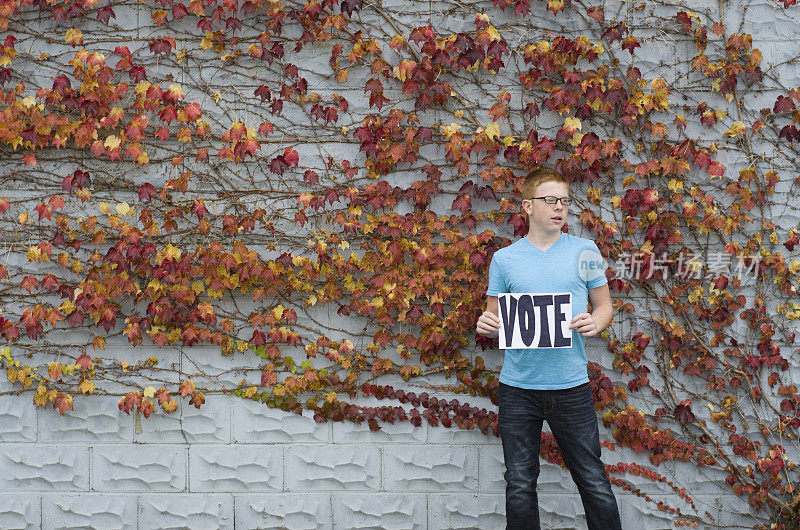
[[497, 283], [592, 267]]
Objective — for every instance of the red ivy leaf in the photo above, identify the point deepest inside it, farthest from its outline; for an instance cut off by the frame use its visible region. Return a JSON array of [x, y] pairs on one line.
[[630, 43], [104, 14], [163, 46], [263, 92], [683, 413], [146, 192], [84, 362], [63, 403], [783, 104]]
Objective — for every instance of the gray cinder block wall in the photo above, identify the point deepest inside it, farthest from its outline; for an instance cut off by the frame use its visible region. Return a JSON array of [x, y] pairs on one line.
[[238, 464]]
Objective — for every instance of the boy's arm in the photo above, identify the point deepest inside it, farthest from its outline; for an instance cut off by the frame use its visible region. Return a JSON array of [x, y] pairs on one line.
[[590, 325], [602, 310], [489, 322]]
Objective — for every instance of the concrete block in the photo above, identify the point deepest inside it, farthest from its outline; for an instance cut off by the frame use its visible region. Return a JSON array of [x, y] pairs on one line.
[[163, 428], [138, 468], [402, 431], [256, 423], [491, 469], [211, 423], [284, 512], [564, 511], [27, 467], [217, 468], [127, 18], [386, 511], [96, 511], [118, 350], [20, 511], [17, 419], [643, 514], [487, 512], [434, 469], [96, 418], [218, 371], [212, 512], [454, 435], [333, 468]]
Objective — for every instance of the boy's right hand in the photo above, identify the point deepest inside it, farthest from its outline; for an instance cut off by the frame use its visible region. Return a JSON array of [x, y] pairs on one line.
[[488, 324]]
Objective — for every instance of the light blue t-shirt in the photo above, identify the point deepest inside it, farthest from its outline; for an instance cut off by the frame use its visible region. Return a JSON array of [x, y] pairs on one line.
[[571, 265]]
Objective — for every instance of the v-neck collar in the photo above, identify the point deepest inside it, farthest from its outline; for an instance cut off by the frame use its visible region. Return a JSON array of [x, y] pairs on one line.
[[548, 249]]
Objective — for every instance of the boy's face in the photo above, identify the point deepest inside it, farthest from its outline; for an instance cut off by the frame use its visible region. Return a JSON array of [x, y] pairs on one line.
[[547, 217]]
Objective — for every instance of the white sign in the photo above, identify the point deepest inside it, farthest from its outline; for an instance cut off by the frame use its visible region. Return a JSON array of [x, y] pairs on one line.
[[535, 320]]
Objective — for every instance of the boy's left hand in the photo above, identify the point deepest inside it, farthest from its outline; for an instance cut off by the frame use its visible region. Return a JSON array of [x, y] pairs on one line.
[[584, 324]]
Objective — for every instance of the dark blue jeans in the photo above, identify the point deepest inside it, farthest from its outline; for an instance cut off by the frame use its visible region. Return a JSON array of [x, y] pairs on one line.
[[572, 419]]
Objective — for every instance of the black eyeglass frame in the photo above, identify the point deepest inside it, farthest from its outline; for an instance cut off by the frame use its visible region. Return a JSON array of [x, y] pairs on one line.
[[566, 201]]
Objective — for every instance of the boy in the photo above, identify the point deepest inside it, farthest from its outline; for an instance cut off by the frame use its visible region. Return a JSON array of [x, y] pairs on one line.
[[550, 384]]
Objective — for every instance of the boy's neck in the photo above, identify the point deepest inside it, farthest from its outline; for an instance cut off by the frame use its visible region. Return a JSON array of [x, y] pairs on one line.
[[542, 240]]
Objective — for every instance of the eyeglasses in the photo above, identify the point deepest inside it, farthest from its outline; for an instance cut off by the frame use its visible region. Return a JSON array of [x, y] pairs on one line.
[[551, 199]]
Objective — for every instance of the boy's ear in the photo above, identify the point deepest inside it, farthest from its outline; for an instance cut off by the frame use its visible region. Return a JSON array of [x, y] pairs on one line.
[[527, 206]]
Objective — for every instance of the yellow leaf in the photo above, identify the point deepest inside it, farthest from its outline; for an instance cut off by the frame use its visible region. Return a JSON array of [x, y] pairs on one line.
[[149, 392], [86, 387], [141, 87], [572, 124], [104, 207], [207, 41], [675, 185], [696, 294], [172, 252], [492, 130], [736, 129], [123, 208], [175, 91], [112, 142], [543, 47], [493, 33], [599, 49], [198, 286], [34, 254], [74, 37], [450, 130], [576, 139]]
